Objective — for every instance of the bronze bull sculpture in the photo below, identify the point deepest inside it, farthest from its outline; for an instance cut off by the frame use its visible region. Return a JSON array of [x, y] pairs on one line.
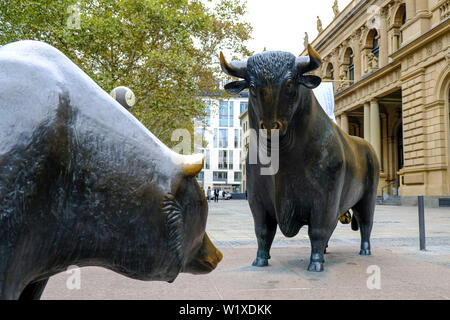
[[83, 182], [323, 171]]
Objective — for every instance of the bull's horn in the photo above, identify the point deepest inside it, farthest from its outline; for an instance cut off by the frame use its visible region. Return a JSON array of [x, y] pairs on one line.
[[192, 164], [236, 69], [307, 64]]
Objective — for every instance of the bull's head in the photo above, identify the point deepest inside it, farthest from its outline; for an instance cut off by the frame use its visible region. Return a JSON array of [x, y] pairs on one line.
[[275, 81]]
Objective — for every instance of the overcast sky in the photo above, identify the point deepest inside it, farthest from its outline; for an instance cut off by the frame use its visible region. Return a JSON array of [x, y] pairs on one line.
[[281, 24]]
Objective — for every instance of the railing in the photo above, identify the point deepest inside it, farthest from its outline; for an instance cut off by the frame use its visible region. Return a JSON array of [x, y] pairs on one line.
[[444, 9]]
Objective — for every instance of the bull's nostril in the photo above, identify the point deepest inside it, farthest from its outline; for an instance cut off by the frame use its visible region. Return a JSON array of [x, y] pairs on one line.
[[276, 125]]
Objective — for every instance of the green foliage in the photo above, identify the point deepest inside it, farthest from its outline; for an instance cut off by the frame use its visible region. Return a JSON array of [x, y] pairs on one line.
[[166, 51]]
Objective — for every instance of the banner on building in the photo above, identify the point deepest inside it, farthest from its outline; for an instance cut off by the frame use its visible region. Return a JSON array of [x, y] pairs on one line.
[[325, 95]]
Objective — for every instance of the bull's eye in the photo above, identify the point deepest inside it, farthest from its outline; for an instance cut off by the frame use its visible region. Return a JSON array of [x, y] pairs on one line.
[[290, 88]]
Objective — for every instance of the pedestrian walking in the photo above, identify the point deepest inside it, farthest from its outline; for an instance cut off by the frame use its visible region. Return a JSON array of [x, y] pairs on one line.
[[216, 195], [208, 194]]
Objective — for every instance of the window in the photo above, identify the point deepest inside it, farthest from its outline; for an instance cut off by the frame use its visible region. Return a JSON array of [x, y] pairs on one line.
[[201, 176], [351, 69], [215, 137], [207, 158], [220, 176], [330, 72], [240, 136], [226, 111], [223, 159], [231, 115], [375, 46], [230, 159], [223, 138], [244, 106], [236, 138], [237, 176]]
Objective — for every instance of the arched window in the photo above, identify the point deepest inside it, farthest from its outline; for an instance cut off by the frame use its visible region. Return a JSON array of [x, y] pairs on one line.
[[349, 65], [330, 72], [375, 46], [398, 22], [351, 69]]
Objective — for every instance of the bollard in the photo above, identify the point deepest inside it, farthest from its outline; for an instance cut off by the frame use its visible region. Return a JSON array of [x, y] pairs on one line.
[[420, 204]]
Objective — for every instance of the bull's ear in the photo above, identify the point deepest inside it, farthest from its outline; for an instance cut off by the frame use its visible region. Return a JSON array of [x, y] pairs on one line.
[[236, 87], [310, 82]]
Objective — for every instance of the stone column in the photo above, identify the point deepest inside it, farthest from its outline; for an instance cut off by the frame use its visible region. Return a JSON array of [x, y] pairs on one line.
[[421, 6], [375, 131], [357, 55], [338, 121], [344, 122], [384, 41], [410, 9], [367, 122]]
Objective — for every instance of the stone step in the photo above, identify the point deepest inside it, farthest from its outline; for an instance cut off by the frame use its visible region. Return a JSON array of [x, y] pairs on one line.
[[391, 201]]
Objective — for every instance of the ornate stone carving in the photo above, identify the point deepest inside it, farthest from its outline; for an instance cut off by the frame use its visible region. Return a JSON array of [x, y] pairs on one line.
[[372, 63]]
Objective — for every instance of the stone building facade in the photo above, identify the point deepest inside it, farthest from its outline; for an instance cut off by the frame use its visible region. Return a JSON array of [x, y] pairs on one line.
[[389, 61]]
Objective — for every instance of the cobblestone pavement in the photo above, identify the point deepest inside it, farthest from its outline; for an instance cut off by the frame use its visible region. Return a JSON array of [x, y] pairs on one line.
[[230, 224], [405, 271]]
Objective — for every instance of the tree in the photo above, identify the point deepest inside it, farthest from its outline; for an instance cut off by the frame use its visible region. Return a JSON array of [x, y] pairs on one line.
[[166, 51]]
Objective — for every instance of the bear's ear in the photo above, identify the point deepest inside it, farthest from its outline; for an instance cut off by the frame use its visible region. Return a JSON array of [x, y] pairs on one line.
[[236, 87], [310, 82]]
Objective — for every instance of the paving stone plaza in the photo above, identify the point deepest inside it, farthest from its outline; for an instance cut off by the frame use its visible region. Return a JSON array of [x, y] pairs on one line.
[[404, 271]]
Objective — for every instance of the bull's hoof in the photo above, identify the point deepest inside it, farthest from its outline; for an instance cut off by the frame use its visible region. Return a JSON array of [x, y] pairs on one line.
[[365, 249], [315, 266], [260, 262]]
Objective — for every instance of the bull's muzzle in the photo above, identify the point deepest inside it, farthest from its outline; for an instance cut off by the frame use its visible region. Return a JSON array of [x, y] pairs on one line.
[[206, 259], [274, 125]]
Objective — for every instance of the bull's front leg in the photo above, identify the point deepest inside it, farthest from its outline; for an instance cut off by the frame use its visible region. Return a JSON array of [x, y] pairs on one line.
[[319, 234], [265, 229]]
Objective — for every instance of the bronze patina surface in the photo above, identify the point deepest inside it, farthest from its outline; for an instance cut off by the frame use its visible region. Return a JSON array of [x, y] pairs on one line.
[[323, 171], [83, 182]]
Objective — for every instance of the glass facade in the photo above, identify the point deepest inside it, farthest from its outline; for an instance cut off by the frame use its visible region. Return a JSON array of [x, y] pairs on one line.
[[220, 176], [223, 138], [226, 111], [243, 106], [223, 159]]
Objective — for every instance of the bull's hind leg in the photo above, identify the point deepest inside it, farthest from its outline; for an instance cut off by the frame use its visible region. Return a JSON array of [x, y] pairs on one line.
[[364, 211], [265, 229]]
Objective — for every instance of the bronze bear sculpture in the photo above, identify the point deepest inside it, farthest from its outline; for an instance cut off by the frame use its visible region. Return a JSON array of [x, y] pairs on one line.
[[83, 182], [323, 171]]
